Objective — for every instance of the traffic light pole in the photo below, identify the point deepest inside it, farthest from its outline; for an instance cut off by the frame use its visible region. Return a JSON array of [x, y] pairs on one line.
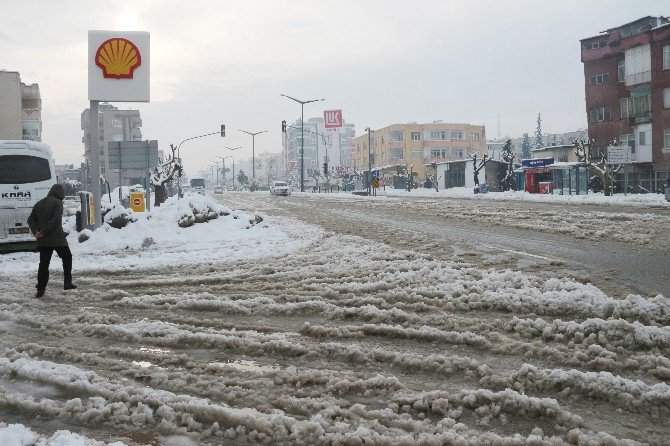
[[222, 132]]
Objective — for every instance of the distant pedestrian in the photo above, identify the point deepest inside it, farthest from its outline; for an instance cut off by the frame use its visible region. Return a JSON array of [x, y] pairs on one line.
[[46, 224]]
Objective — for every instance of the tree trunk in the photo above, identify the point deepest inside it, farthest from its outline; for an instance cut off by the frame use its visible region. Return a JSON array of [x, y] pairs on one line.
[[160, 195]]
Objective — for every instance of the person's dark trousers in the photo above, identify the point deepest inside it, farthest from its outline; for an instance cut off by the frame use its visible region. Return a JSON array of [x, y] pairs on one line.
[[45, 259]]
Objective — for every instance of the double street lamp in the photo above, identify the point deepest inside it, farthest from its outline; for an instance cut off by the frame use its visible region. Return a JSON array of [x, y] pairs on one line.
[[232, 149], [253, 150], [302, 137]]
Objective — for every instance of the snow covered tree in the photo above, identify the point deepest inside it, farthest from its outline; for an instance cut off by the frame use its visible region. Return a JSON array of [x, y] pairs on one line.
[[242, 178], [507, 156], [163, 174], [539, 142], [525, 147], [477, 167]]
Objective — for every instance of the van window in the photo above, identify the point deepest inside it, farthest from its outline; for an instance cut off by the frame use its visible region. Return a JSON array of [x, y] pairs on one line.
[[22, 169]]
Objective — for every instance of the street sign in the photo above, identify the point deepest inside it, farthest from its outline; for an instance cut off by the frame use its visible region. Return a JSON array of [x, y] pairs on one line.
[[375, 183], [133, 154], [137, 201], [618, 155], [375, 174]]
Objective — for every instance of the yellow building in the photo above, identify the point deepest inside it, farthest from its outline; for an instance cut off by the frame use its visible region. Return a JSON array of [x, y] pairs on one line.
[[399, 148]]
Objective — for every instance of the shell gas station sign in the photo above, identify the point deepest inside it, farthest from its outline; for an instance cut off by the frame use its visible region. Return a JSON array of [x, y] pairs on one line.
[[118, 66]]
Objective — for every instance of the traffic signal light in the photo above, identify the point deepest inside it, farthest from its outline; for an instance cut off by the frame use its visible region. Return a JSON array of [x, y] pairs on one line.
[[283, 126], [325, 168], [223, 130]]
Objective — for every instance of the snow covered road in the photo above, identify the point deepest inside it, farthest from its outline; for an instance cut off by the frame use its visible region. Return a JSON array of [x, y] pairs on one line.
[[338, 336]]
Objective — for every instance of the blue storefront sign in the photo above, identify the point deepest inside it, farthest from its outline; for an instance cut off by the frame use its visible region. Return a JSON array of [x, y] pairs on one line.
[[537, 162]]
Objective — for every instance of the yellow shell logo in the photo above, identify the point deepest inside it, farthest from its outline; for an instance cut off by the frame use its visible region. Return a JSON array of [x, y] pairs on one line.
[[118, 58]]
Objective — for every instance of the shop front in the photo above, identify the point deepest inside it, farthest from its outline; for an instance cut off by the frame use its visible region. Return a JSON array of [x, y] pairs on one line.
[[537, 175]]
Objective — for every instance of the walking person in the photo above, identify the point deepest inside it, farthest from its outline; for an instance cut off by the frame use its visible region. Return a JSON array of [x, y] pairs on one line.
[[45, 222]]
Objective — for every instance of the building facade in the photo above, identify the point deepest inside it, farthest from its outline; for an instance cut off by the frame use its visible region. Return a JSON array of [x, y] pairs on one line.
[[321, 145], [401, 148], [20, 108], [114, 125], [627, 83]]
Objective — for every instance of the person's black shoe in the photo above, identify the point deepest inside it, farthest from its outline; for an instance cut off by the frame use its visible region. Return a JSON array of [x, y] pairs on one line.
[[70, 286], [40, 293]]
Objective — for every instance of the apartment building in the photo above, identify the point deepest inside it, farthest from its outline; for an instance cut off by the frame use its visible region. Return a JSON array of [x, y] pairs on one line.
[[320, 145], [399, 148], [114, 125], [627, 83], [20, 108]]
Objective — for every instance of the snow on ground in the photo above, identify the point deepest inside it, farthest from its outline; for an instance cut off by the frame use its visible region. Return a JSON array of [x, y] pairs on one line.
[[318, 338], [19, 435], [654, 200]]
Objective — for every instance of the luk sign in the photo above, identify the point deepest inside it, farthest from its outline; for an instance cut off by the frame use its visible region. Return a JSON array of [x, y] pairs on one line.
[[118, 66], [332, 119]]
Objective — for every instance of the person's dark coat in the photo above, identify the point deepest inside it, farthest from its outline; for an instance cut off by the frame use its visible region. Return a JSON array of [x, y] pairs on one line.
[[47, 218]]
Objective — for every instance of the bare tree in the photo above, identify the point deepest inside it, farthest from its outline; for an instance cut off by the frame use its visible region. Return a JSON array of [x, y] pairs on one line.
[[163, 174], [477, 167], [597, 164]]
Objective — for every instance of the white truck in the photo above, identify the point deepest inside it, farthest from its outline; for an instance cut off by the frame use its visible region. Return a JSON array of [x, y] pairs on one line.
[[27, 173]]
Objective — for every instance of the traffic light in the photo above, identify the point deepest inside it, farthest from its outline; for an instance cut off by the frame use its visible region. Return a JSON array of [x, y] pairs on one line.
[[325, 168], [283, 126], [223, 130]]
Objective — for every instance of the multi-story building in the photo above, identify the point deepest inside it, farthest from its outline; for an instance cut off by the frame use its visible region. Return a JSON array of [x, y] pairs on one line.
[[114, 125], [627, 80], [20, 108], [399, 148], [321, 145]]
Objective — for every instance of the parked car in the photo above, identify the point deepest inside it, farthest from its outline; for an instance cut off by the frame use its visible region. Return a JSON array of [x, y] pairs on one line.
[[218, 190], [280, 188]]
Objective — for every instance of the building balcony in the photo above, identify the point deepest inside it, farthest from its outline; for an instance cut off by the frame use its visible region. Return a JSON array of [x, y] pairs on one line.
[[640, 119], [638, 78]]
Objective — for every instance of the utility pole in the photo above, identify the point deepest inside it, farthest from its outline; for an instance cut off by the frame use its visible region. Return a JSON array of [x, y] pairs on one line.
[[367, 129], [253, 150]]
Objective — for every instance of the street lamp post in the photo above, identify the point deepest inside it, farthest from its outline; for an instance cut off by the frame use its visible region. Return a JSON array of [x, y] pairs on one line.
[[232, 149], [302, 137], [253, 150], [217, 172], [222, 132], [367, 129]]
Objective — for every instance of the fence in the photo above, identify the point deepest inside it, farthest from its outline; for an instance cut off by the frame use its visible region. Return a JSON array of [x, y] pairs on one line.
[[642, 182]]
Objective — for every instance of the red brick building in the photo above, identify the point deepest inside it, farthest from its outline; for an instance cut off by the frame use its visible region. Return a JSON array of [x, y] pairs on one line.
[[627, 83]]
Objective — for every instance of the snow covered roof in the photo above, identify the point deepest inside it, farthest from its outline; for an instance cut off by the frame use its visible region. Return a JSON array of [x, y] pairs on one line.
[[25, 144]]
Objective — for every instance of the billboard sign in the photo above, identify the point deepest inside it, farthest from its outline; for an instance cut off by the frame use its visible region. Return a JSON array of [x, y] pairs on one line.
[[537, 162], [133, 154], [618, 155], [332, 119], [118, 66]]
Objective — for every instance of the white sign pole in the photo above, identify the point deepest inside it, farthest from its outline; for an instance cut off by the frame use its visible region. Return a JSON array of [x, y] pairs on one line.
[[95, 160]]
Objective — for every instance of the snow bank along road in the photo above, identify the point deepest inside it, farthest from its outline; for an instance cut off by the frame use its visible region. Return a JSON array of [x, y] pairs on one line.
[[395, 335]]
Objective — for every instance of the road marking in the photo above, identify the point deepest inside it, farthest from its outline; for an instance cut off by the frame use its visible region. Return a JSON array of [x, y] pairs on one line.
[[521, 253]]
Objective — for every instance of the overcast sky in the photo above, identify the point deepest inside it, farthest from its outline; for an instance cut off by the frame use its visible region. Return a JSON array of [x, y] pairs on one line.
[[380, 61]]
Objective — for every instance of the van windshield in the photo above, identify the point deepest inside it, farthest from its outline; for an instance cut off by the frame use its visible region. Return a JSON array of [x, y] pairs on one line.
[[22, 169], [280, 184]]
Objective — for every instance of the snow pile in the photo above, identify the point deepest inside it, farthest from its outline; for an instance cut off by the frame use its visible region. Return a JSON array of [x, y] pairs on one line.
[[19, 435], [591, 198]]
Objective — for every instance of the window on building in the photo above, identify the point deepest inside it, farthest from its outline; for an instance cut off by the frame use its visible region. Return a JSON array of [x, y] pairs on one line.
[[416, 136], [396, 135], [621, 71], [31, 129], [666, 97], [600, 79], [666, 57], [628, 140], [416, 154], [600, 114], [441, 152], [667, 138], [458, 135], [624, 108], [642, 138], [475, 137], [596, 45], [458, 152], [396, 154], [116, 122]]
